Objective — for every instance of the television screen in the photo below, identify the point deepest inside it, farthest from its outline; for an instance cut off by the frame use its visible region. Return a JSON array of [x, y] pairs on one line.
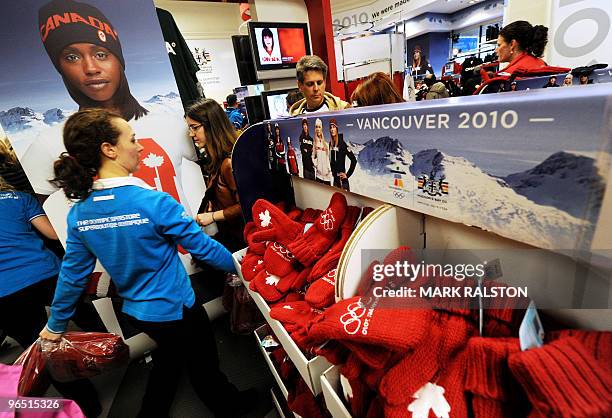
[[278, 45], [275, 103]]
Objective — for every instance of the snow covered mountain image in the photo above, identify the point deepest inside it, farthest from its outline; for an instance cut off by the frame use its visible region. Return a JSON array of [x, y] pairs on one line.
[[54, 115], [378, 156], [491, 203], [19, 118], [576, 175], [170, 102], [528, 203]]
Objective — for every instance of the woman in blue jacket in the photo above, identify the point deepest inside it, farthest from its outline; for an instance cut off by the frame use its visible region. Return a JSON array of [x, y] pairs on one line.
[[134, 232]]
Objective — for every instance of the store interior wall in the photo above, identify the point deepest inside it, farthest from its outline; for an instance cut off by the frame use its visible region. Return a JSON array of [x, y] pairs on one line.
[[202, 19]]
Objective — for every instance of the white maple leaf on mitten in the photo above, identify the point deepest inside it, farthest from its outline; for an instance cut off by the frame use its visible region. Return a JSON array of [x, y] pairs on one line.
[[265, 218], [272, 280], [429, 396]]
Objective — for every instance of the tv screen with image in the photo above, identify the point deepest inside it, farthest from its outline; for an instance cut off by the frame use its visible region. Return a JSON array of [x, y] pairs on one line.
[[278, 45], [275, 103]]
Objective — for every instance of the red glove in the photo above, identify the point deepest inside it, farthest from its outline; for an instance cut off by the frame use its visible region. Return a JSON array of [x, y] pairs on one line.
[[310, 247], [273, 224]]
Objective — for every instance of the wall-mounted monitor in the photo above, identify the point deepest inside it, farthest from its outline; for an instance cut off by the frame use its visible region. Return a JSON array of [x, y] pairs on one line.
[[275, 103], [277, 47]]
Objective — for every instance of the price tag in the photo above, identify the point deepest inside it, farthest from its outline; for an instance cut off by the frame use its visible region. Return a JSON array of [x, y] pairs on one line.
[[531, 332]]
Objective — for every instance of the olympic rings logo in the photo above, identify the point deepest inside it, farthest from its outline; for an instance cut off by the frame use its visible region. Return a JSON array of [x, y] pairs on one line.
[[351, 318], [327, 220], [399, 195], [282, 251]]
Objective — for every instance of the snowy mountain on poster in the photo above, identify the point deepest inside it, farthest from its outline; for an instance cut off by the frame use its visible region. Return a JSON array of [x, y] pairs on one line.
[[482, 199], [378, 156], [170, 102], [19, 118], [490, 202], [574, 174]]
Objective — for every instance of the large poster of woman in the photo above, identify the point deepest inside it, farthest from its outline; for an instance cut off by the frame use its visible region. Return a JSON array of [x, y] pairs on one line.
[[60, 56]]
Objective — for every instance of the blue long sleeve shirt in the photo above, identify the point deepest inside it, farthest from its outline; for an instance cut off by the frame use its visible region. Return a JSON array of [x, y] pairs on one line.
[[134, 232]]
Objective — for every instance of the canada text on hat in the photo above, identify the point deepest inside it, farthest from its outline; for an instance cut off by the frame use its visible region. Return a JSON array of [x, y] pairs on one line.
[[56, 20]]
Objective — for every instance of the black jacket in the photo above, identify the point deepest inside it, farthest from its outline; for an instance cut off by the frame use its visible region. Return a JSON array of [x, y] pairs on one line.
[[337, 158]]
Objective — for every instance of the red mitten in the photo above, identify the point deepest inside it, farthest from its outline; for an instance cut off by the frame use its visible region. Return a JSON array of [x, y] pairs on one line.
[[563, 380], [597, 343], [254, 247], [273, 224], [488, 377], [251, 265], [310, 215], [322, 292], [294, 214], [351, 320], [265, 285], [330, 260], [295, 315], [278, 260], [310, 247]]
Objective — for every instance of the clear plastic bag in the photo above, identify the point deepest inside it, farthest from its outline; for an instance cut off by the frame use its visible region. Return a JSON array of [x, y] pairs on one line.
[[80, 355], [34, 380]]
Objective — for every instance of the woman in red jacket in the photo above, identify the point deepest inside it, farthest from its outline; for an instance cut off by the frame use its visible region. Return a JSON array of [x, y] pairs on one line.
[[522, 46]]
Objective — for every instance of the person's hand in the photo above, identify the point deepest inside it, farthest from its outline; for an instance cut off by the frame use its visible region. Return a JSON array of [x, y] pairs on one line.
[[205, 218], [45, 334], [342, 176]]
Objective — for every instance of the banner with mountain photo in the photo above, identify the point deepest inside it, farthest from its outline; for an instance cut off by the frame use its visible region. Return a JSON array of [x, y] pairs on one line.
[[60, 56], [530, 166]]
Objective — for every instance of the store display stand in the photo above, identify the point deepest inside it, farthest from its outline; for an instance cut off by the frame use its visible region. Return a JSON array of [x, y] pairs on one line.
[[391, 225]]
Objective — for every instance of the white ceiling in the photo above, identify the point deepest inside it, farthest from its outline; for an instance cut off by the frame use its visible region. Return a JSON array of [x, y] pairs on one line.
[[439, 6]]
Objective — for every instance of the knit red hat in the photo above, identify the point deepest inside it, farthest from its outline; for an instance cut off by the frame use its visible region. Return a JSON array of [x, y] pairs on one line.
[[352, 320], [273, 224], [562, 380], [489, 379], [597, 343], [311, 246], [322, 293], [447, 335]]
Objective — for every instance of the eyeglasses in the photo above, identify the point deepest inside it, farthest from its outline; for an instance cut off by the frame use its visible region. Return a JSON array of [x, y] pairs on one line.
[[194, 128]]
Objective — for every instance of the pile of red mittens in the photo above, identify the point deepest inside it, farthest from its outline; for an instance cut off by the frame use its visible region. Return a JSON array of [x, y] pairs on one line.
[[293, 255]]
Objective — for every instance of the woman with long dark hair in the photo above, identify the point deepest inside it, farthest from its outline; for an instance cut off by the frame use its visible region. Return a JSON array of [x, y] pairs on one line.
[[134, 232], [212, 132]]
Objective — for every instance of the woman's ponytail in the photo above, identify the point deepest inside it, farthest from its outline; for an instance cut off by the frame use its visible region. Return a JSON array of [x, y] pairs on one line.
[[538, 41], [72, 177], [84, 133]]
